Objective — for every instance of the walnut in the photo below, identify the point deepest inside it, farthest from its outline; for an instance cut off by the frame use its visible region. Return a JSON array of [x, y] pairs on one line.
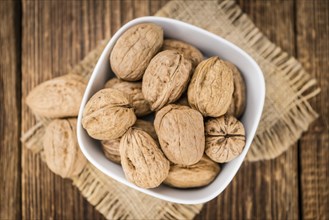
[[211, 87], [238, 102], [111, 148], [166, 78], [225, 138], [134, 89], [134, 49], [196, 175], [190, 52], [180, 131], [57, 98], [111, 82], [142, 161], [108, 114], [61, 149]]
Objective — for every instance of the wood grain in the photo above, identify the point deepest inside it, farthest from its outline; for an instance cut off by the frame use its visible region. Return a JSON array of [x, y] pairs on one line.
[[266, 189], [313, 52], [10, 153], [58, 34]]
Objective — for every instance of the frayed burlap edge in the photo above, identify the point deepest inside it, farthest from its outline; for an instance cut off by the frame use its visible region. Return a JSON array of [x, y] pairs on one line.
[[274, 136], [287, 112]]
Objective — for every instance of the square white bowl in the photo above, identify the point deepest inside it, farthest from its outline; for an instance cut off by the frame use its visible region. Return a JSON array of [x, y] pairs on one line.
[[210, 45]]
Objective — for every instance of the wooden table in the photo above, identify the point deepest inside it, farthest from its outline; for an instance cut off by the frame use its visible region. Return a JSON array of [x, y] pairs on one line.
[[43, 39]]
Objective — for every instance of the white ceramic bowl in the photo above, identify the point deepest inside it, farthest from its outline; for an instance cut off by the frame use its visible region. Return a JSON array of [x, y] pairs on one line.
[[210, 45]]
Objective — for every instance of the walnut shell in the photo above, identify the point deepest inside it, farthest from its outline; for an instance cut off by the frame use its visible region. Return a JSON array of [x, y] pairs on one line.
[[190, 52], [57, 98], [108, 114], [180, 131], [238, 102], [142, 161], [111, 148], [166, 78], [211, 87], [111, 82], [134, 49], [196, 175], [134, 89], [61, 149], [225, 138]]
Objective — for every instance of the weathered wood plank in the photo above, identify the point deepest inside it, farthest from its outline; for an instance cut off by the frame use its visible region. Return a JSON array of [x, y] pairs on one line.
[[56, 36], [267, 189], [10, 98], [313, 51]]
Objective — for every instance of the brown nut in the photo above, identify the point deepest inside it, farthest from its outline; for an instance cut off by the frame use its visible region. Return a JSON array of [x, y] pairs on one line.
[[180, 131], [61, 149], [111, 82], [58, 97], [190, 52], [225, 138], [166, 78], [196, 175], [142, 161], [134, 49], [238, 102], [134, 89], [108, 114], [111, 148], [211, 87]]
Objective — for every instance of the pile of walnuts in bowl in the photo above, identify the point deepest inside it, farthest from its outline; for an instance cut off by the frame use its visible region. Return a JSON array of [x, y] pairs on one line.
[[196, 102]]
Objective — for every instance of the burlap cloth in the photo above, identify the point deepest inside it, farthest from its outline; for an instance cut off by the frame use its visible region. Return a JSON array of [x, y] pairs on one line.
[[287, 112]]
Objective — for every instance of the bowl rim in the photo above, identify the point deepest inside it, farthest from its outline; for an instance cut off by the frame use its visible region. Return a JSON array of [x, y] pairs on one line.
[[87, 95]]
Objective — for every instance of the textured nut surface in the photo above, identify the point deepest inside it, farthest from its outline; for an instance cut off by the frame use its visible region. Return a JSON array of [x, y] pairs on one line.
[[58, 97], [111, 82], [196, 175], [111, 148], [146, 126], [238, 102], [108, 114], [225, 138], [142, 161], [61, 150], [134, 89], [180, 131], [166, 78], [134, 49], [211, 87], [190, 52]]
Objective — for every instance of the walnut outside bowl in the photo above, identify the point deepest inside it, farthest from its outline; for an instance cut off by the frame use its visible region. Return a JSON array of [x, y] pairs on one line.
[[211, 45]]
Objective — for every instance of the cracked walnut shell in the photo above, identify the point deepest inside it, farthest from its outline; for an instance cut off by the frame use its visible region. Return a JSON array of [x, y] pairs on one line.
[[196, 175], [180, 132], [134, 49], [108, 114], [142, 160], [211, 88], [134, 89], [166, 78], [61, 149], [225, 138]]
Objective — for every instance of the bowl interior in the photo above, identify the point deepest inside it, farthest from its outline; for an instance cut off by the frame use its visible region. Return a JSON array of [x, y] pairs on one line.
[[210, 45]]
